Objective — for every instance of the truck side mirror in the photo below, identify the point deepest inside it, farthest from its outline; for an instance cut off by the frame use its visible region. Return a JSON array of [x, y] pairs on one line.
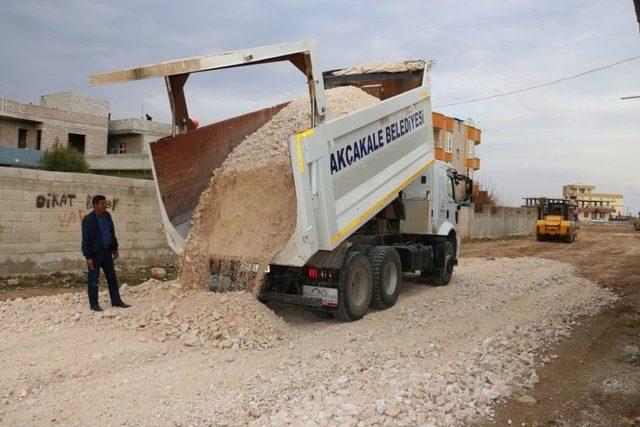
[[468, 187], [468, 191], [468, 195]]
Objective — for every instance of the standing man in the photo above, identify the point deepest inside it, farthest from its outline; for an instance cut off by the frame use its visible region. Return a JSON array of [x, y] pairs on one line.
[[100, 248]]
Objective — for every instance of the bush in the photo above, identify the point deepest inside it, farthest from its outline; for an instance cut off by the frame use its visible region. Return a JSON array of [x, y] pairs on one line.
[[63, 159]]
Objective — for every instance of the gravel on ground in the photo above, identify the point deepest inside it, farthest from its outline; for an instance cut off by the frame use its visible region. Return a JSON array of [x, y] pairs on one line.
[[443, 356]]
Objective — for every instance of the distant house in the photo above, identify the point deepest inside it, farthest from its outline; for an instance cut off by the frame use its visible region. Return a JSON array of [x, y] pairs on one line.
[[593, 205], [114, 147], [455, 142], [128, 136], [75, 121]]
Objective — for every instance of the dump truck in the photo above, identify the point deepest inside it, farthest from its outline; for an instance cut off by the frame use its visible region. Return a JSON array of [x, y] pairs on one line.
[[362, 221], [557, 219]]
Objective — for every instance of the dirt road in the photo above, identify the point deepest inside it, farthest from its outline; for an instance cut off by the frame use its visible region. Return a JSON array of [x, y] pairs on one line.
[[596, 380], [500, 331]]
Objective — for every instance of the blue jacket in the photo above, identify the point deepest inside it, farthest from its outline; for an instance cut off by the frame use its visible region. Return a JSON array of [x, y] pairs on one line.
[[92, 245]]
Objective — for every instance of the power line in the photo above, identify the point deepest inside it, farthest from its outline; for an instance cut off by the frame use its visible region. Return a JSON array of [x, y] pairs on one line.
[[499, 95]]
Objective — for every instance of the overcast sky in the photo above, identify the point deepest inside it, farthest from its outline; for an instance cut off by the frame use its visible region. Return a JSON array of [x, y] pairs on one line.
[[532, 143]]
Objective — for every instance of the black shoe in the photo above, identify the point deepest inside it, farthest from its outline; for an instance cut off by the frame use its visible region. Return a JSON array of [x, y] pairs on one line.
[[93, 298], [121, 305]]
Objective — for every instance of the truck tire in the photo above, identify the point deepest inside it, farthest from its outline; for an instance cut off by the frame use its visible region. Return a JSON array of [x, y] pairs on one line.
[[387, 276], [354, 289], [540, 237], [442, 275], [569, 237]]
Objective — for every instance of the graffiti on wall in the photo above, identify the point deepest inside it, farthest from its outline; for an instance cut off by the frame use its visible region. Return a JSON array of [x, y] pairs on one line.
[[69, 219], [111, 203], [53, 200]]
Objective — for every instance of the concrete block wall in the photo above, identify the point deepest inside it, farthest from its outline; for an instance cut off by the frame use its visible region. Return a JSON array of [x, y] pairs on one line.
[[496, 221], [95, 139], [67, 101], [41, 214]]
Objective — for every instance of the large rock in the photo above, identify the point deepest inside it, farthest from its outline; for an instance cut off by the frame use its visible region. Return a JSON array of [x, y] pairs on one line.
[[158, 273], [527, 400], [13, 282], [392, 410]]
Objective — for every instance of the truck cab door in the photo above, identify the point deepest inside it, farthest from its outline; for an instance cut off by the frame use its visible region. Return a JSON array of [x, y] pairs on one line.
[[447, 204], [451, 200], [442, 205]]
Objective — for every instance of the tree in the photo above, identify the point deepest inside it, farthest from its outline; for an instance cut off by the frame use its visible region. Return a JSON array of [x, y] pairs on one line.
[[485, 194], [63, 159]]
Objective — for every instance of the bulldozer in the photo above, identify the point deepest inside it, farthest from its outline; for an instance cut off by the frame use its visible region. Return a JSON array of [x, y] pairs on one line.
[[557, 219]]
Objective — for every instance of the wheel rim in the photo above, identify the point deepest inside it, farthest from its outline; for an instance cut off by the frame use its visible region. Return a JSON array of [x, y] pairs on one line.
[[390, 278], [358, 286]]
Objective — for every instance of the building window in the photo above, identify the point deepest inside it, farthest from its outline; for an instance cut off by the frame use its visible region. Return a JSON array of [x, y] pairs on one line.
[[449, 143], [436, 137], [586, 214], [39, 140], [470, 149], [119, 148], [22, 138], [457, 154], [76, 141]]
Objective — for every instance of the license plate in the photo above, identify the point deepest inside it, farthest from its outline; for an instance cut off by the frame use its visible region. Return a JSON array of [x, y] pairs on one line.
[[329, 295]]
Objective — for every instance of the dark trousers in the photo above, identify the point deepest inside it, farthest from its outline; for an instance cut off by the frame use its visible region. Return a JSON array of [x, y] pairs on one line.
[[104, 261]]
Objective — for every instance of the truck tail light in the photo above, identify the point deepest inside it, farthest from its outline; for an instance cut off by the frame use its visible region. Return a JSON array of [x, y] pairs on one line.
[[316, 273], [313, 273]]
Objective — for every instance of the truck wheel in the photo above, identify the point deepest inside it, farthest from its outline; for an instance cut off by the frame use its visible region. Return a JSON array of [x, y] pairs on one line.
[[442, 275], [540, 237], [387, 276], [569, 237], [354, 290]]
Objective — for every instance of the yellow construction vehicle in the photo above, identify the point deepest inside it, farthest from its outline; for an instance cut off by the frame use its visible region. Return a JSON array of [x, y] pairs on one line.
[[557, 219]]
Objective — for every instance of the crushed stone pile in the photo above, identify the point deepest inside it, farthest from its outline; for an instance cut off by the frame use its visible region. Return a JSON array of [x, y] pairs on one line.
[[248, 212], [162, 311]]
